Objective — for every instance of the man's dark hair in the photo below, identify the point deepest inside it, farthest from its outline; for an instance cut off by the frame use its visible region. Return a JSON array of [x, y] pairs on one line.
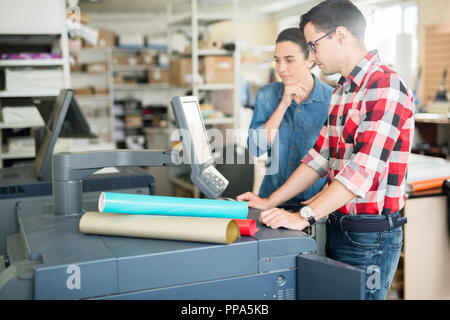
[[330, 14], [294, 35]]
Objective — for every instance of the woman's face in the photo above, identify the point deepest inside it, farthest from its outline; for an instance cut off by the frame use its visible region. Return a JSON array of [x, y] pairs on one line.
[[290, 61]]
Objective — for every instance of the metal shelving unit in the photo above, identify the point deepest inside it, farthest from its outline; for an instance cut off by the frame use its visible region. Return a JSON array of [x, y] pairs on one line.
[[131, 89], [29, 25], [97, 55], [194, 20]]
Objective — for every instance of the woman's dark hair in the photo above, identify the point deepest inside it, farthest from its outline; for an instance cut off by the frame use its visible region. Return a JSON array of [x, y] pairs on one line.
[[330, 14], [294, 35]]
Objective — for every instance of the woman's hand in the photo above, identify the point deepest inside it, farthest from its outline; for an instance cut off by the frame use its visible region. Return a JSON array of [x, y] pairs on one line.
[[254, 201], [296, 92]]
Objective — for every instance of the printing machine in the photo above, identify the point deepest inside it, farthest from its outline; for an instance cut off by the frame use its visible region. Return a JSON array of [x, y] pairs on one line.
[[32, 185], [49, 258]]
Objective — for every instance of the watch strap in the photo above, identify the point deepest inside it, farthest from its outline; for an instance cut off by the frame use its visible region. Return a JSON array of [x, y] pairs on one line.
[[311, 220]]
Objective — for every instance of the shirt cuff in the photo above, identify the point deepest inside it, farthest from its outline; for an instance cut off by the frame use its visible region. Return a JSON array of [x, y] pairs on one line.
[[355, 178], [317, 162]]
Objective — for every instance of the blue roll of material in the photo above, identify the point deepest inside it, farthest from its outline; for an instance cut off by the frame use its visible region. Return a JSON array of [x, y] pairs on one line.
[[171, 206]]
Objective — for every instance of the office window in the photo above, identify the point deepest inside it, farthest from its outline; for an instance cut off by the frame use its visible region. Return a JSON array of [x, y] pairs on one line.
[[391, 29]]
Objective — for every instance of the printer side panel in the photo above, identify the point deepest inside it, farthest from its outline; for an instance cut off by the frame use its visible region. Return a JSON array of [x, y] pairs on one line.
[[321, 278]]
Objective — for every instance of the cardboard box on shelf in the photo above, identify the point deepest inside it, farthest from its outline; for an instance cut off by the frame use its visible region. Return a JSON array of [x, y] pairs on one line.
[[126, 60], [117, 80], [181, 71], [124, 80], [133, 60], [83, 91], [84, 19], [158, 75], [147, 57], [100, 90], [75, 44], [133, 121], [75, 68], [120, 60], [105, 39], [96, 67], [217, 69]]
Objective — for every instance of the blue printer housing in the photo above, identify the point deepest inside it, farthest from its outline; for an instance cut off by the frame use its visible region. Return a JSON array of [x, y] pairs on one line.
[[259, 267]]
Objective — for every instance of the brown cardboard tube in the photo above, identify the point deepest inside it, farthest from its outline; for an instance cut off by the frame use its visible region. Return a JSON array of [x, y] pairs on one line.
[[213, 230]]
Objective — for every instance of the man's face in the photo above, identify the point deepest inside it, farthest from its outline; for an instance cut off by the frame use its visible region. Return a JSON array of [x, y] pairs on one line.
[[327, 51], [290, 61]]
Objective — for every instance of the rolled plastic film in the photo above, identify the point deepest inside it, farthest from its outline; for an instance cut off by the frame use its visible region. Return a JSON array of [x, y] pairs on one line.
[[171, 206], [427, 184], [213, 230]]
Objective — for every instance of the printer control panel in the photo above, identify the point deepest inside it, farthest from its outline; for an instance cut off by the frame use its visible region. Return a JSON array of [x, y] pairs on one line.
[[214, 179]]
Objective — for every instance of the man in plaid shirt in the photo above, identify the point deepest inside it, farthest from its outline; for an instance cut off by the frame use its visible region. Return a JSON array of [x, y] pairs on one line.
[[364, 148]]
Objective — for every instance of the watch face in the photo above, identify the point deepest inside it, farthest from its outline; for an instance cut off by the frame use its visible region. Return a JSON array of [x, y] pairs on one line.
[[306, 212]]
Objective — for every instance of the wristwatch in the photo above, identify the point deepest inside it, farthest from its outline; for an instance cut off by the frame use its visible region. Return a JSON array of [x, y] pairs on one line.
[[308, 214]]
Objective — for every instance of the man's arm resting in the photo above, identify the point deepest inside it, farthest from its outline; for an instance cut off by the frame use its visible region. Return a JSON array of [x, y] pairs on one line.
[[333, 198], [301, 179]]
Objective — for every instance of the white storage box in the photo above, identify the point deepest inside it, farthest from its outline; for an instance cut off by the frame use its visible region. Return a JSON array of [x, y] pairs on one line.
[[16, 115], [131, 40], [28, 79], [21, 145]]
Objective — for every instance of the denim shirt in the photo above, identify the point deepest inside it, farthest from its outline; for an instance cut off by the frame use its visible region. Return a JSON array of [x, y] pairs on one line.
[[297, 134]]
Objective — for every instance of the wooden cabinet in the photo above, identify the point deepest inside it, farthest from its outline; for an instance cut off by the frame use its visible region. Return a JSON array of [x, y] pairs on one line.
[[426, 259]]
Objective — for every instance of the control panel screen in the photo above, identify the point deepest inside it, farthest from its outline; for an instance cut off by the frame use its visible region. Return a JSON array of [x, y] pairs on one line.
[[198, 133]]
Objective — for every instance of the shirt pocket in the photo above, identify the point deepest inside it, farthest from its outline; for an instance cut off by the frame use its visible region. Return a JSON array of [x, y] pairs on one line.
[[352, 121]]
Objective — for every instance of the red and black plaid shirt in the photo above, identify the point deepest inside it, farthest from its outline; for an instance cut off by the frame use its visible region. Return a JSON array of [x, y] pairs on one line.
[[367, 141]]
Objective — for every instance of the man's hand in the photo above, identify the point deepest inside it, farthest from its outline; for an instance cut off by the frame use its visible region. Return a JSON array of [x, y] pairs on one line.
[[276, 218], [254, 201]]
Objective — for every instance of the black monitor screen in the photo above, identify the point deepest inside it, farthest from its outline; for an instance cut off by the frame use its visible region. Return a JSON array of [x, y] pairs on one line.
[[64, 120]]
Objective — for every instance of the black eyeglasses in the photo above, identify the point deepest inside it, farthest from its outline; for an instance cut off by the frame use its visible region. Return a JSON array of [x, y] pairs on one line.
[[312, 44]]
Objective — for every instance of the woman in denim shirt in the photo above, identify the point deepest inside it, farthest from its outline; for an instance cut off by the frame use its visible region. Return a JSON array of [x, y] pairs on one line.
[[288, 115]]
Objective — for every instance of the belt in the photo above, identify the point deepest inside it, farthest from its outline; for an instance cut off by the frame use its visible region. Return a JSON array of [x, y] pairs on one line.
[[366, 224]]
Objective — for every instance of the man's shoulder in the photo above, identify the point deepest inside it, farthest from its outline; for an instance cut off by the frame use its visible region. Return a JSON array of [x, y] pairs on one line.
[[382, 76], [385, 82]]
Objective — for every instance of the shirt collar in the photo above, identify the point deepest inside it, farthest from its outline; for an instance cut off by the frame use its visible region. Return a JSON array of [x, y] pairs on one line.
[[316, 94], [360, 70]]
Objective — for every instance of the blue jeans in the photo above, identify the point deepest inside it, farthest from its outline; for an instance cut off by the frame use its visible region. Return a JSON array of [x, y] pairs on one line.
[[377, 253]]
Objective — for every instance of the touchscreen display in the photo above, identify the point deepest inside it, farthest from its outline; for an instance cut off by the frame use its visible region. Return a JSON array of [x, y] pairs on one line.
[[197, 130]]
